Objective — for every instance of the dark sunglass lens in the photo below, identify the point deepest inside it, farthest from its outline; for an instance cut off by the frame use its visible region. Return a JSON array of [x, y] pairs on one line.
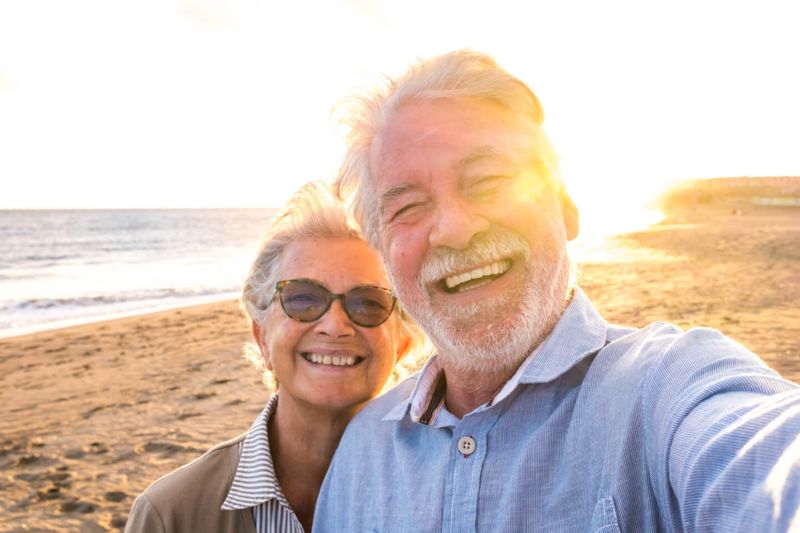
[[304, 301], [369, 306]]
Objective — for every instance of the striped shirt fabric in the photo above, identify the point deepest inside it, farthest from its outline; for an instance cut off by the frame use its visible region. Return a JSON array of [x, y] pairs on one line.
[[255, 484]]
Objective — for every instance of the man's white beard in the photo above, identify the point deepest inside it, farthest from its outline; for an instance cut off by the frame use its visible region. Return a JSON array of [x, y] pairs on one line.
[[493, 336]]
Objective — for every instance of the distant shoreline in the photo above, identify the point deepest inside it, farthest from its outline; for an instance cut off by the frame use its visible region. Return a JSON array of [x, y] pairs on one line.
[[48, 327], [778, 191]]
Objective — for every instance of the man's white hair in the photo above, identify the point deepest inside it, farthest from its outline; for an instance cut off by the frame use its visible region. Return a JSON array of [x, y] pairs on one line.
[[458, 74]]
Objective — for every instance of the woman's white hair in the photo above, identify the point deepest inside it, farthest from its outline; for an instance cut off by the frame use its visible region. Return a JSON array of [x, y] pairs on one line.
[[313, 212], [458, 74]]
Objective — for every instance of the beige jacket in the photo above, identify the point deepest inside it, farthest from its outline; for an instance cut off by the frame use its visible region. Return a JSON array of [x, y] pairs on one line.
[[189, 499]]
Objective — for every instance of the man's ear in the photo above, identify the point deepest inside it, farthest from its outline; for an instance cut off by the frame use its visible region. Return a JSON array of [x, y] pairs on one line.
[[569, 213], [259, 337]]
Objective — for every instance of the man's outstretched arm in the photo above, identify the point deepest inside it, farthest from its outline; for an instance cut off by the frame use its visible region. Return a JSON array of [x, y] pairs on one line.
[[728, 446]]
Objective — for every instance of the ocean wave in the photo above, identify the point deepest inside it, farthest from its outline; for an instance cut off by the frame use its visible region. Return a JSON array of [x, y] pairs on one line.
[[19, 318], [110, 299], [86, 265], [36, 257]]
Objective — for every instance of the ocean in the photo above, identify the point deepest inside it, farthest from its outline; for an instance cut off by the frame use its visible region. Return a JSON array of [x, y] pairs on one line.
[[66, 267]]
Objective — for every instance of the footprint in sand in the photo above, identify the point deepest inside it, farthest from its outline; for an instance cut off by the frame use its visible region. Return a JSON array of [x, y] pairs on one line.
[[96, 448], [164, 448], [28, 456], [8, 446], [115, 495], [74, 453], [56, 350], [30, 459], [95, 409], [58, 481], [203, 395], [52, 492], [76, 506]]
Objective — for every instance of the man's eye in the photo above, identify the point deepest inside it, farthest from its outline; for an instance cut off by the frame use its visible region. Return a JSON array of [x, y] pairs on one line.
[[489, 184], [406, 212]]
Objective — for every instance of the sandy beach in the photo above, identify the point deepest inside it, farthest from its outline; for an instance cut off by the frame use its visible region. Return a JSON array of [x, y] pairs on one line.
[[90, 415]]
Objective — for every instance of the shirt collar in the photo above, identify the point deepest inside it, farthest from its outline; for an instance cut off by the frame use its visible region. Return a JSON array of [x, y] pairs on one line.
[[255, 481], [418, 401], [580, 332]]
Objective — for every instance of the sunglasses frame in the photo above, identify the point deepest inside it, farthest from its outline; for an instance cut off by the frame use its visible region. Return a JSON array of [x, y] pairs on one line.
[[330, 297]]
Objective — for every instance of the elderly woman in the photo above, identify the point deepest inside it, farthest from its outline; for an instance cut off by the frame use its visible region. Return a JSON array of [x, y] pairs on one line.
[[328, 331]]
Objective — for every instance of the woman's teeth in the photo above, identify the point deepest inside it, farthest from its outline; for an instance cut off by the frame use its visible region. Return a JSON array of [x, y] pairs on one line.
[[495, 269], [333, 360]]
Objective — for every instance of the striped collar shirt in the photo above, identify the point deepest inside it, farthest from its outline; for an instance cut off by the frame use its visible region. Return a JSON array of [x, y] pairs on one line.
[[255, 484]]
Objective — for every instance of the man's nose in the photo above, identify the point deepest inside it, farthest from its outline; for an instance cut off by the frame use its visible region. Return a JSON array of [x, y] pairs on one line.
[[335, 322], [455, 225]]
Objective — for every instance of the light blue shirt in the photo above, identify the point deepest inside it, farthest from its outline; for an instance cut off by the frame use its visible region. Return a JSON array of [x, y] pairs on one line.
[[602, 429]]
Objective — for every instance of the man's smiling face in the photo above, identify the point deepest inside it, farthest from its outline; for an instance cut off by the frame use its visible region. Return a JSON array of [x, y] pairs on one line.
[[472, 228]]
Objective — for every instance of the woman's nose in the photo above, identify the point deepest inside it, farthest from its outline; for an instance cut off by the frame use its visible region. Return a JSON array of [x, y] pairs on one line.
[[335, 322]]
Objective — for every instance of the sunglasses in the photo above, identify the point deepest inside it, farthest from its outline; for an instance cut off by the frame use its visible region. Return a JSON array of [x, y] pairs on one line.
[[305, 300]]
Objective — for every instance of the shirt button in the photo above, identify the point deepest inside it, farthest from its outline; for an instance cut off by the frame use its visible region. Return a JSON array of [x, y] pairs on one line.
[[466, 445]]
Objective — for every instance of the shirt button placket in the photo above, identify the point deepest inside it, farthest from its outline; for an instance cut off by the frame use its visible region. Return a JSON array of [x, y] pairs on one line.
[[466, 446], [461, 515]]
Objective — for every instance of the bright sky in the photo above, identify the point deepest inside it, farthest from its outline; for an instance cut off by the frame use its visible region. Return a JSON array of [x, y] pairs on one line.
[[227, 103]]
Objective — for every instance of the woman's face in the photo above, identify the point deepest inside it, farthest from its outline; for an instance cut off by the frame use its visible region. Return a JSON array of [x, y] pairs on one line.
[[301, 355]]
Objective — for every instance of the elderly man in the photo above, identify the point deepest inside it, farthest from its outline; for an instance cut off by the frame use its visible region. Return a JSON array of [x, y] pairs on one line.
[[535, 414]]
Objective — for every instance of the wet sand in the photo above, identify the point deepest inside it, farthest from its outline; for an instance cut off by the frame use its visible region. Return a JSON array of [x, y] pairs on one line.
[[734, 272], [90, 415]]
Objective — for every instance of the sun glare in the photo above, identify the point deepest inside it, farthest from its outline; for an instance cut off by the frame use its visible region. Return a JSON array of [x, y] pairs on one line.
[[228, 103]]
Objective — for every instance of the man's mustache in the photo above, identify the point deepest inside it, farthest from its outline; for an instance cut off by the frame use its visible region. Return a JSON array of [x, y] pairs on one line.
[[496, 243]]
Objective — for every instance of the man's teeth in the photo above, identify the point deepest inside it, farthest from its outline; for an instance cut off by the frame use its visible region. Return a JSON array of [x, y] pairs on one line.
[[498, 267], [334, 360]]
